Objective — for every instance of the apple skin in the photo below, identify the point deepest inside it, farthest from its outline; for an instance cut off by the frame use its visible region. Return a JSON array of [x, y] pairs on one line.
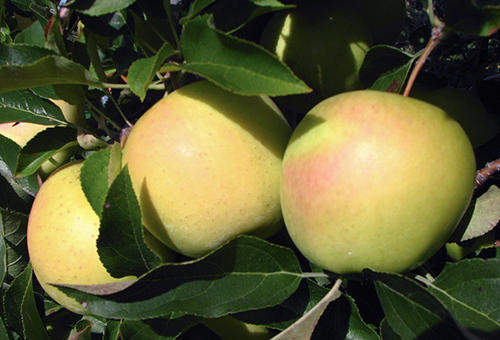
[[375, 180], [23, 132], [324, 43], [464, 106], [206, 166], [62, 233]]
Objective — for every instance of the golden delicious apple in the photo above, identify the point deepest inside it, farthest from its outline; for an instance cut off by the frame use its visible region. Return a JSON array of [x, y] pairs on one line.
[[464, 106], [375, 180], [206, 165], [62, 233], [324, 43], [23, 132]]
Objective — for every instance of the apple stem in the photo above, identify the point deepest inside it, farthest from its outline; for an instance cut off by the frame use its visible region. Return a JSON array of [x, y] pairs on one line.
[[483, 174], [438, 33]]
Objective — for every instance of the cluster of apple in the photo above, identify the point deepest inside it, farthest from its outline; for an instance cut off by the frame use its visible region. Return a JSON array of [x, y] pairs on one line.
[[358, 184]]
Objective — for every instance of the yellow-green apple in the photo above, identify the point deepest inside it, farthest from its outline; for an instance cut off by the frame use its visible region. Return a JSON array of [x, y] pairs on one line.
[[23, 132], [458, 251], [375, 180], [62, 233], [324, 43], [385, 18], [206, 164], [464, 106]]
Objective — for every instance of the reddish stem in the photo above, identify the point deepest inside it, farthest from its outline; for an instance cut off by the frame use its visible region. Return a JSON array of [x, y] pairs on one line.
[[437, 35], [484, 173]]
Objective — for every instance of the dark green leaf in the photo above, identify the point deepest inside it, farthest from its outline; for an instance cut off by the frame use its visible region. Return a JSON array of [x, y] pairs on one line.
[[9, 151], [14, 195], [20, 308], [24, 106], [194, 8], [231, 15], [286, 313], [94, 179], [82, 330], [112, 331], [470, 289], [142, 71], [3, 260], [247, 273], [385, 68], [157, 329], [13, 227], [304, 327], [3, 331], [43, 146], [412, 312], [33, 35], [472, 17], [22, 54], [99, 7], [45, 71], [386, 331], [342, 321], [235, 64], [121, 244]]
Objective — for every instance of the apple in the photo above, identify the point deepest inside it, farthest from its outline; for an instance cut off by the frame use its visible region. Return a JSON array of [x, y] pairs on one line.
[[466, 107], [375, 180], [324, 43], [23, 132], [61, 236], [457, 251], [205, 165], [385, 18]]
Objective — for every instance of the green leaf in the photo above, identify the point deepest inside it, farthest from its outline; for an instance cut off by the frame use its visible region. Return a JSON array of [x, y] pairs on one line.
[[20, 308], [231, 15], [484, 214], [342, 320], [121, 244], [21, 54], [43, 146], [281, 316], [32, 35], [82, 330], [157, 329], [195, 8], [470, 291], [246, 273], [386, 68], [143, 71], [477, 18], [13, 228], [9, 151], [3, 330], [48, 70], [3, 260], [413, 312], [25, 106], [98, 7], [94, 179], [235, 64], [304, 327], [386, 331]]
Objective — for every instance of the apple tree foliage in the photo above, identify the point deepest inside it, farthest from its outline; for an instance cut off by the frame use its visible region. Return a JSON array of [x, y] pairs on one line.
[[117, 58]]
